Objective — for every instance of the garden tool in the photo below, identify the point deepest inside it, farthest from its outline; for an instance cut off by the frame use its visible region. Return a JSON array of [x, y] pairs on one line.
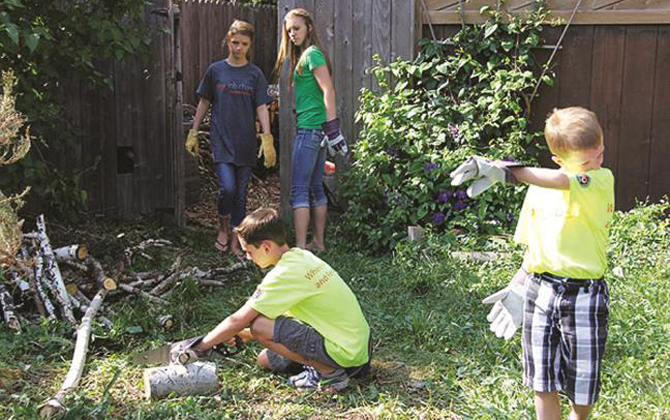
[[267, 149], [485, 172], [507, 312], [192, 145], [184, 352]]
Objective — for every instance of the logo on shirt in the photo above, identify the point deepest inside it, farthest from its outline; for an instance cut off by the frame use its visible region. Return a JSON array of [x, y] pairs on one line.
[[583, 180], [221, 87], [257, 294]]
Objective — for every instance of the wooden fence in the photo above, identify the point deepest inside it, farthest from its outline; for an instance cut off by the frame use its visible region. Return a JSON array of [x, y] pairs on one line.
[[204, 25], [351, 31], [130, 144], [622, 73]]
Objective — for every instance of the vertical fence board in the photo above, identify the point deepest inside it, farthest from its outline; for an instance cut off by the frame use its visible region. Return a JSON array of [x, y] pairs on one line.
[[576, 67], [636, 111], [606, 77], [343, 71], [659, 160]]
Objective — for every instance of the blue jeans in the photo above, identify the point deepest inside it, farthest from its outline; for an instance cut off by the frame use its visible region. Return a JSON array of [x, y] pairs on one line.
[[307, 171], [232, 197]]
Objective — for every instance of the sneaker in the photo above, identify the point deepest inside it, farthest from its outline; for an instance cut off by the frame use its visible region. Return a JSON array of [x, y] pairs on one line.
[[312, 379]]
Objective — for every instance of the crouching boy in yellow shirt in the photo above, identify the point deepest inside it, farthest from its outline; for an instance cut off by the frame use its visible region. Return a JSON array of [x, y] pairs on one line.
[[303, 313], [559, 295]]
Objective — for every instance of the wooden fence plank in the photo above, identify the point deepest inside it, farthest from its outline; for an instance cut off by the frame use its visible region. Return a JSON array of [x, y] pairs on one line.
[[576, 67], [343, 72], [606, 89], [636, 112], [659, 160]]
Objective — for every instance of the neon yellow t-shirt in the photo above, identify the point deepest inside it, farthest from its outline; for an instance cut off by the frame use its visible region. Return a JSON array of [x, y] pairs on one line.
[[567, 230], [306, 288], [309, 105]]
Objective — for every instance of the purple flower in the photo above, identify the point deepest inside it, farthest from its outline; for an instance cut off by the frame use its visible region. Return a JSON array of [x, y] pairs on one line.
[[461, 195], [460, 205], [438, 218], [443, 196], [454, 131], [429, 167]]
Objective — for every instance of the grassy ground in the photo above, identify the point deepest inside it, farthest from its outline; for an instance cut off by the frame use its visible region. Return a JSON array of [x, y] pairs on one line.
[[434, 356]]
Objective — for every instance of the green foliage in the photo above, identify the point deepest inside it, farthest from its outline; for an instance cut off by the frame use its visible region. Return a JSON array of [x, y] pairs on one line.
[[463, 97], [47, 43]]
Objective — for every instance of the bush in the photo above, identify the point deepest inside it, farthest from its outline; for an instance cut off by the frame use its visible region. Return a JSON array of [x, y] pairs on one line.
[[462, 97]]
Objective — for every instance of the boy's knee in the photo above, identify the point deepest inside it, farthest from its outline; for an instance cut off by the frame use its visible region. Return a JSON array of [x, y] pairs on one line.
[[263, 360]]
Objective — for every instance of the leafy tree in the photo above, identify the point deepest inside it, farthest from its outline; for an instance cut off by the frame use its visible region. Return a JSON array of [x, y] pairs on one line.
[[46, 42]]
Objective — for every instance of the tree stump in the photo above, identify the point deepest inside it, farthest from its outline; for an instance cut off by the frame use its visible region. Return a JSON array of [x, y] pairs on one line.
[[197, 378]]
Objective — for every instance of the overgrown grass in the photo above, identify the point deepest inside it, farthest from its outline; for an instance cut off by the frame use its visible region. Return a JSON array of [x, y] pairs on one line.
[[434, 356]]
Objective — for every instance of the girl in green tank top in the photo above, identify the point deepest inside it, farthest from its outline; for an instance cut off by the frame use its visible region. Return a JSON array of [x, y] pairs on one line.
[[317, 123]]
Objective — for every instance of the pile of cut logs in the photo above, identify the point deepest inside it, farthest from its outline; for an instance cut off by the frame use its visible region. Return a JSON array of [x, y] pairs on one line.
[[36, 276]]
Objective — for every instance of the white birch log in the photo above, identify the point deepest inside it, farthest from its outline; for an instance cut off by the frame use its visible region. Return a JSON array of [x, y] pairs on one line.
[[86, 301], [39, 286], [55, 405], [55, 279], [197, 378], [165, 321], [71, 252], [8, 313]]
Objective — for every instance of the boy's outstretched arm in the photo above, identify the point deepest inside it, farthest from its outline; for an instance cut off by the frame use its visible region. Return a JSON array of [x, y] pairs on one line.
[[229, 327], [542, 177]]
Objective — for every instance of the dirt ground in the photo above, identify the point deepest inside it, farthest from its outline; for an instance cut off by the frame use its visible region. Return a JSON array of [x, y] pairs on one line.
[[262, 193]]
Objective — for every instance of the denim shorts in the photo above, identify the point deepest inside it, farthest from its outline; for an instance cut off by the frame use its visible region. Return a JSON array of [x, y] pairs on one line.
[[565, 325], [299, 338], [307, 169]]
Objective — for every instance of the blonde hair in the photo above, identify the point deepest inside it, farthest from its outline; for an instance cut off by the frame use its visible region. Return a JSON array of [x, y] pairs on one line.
[[242, 28], [571, 129], [294, 52]]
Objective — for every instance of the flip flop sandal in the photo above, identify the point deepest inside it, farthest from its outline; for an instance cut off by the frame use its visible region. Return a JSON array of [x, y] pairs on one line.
[[221, 247]]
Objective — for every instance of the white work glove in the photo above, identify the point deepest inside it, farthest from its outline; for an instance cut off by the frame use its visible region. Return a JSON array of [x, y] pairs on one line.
[[507, 312], [485, 172]]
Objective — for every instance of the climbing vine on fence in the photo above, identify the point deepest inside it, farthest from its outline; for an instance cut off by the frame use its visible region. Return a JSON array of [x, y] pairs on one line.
[[45, 43], [463, 96]]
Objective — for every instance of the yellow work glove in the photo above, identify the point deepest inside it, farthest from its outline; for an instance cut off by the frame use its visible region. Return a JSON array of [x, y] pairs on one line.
[[192, 145], [268, 149]]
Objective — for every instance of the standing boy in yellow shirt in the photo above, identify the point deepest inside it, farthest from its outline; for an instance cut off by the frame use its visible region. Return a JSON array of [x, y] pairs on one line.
[[564, 301]]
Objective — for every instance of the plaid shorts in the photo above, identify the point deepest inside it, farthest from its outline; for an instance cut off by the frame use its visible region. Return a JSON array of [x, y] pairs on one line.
[[564, 333]]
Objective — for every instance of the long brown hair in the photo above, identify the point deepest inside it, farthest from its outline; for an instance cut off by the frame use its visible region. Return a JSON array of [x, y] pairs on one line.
[[288, 49], [243, 28]]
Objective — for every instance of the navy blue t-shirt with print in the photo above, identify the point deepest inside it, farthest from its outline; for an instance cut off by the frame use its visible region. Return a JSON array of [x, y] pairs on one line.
[[235, 93]]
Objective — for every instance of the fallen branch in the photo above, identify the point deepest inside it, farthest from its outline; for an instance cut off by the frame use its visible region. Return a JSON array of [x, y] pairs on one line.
[[38, 286], [130, 289], [99, 275], [129, 252], [83, 307], [481, 256], [55, 405], [7, 304]]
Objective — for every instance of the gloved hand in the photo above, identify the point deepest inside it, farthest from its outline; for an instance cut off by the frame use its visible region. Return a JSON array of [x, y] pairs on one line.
[[334, 138], [184, 352], [192, 145], [485, 172], [268, 149], [507, 312]]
